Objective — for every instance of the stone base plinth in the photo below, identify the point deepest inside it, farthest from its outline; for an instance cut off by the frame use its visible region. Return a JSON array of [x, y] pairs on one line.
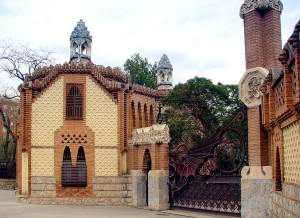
[[138, 188], [158, 190], [256, 189]]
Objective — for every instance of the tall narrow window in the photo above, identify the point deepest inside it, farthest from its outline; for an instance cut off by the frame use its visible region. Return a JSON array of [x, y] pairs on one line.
[[133, 115], [66, 171], [278, 182], [81, 174], [140, 115], [146, 119], [151, 116], [74, 104]]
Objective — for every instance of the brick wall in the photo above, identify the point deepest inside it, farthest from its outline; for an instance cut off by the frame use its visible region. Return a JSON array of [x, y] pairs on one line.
[[281, 112]]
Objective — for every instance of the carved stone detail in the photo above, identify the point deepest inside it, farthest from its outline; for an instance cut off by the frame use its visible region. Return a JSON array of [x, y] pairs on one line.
[[155, 134], [251, 5], [249, 86]]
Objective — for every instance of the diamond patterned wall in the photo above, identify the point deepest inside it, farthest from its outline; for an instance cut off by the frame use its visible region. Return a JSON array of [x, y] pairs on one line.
[[47, 115], [291, 146], [106, 161], [101, 115], [42, 162]]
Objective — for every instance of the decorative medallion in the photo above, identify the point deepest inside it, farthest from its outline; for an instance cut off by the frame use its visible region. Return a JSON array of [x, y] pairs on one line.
[[249, 86]]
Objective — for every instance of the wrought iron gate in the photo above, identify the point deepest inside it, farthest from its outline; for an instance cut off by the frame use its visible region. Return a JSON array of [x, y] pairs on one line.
[[208, 176]]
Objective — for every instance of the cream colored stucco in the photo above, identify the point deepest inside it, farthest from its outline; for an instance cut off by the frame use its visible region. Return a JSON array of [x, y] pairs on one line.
[[106, 161], [124, 162], [291, 146], [42, 161], [101, 115], [24, 173], [47, 115]]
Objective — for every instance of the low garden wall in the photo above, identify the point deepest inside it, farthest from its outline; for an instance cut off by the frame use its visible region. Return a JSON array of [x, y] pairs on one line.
[[8, 184]]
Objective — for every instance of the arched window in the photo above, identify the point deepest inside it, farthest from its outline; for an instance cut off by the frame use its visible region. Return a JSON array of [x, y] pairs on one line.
[[66, 171], [74, 176], [74, 104], [151, 116], [140, 115], [133, 115], [81, 174], [146, 119]]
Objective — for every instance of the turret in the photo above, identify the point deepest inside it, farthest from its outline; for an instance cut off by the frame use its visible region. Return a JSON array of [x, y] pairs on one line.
[[164, 73], [80, 43]]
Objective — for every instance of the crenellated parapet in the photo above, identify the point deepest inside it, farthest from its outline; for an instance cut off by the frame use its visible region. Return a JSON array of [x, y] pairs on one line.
[[251, 5], [155, 134]]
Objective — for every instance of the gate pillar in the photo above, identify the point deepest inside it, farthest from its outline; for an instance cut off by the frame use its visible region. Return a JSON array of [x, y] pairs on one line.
[[158, 190], [149, 154], [138, 188], [256, 182]]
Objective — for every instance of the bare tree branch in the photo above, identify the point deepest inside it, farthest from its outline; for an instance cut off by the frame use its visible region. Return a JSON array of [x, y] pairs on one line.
[[18, 60]]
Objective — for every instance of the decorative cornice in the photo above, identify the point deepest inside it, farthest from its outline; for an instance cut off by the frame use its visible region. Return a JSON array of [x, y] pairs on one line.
[[148, 91], [251, 5], [111, 79], [155, 134]]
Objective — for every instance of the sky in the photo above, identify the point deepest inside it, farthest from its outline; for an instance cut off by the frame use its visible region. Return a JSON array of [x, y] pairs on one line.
[[201, 38]]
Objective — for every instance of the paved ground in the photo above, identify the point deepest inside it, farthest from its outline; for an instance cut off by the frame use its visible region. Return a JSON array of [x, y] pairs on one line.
[[9, 207]]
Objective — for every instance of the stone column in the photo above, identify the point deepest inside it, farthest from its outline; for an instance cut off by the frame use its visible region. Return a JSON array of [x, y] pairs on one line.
[[256, 182], [256, 189], [138, 188], [158, 190]]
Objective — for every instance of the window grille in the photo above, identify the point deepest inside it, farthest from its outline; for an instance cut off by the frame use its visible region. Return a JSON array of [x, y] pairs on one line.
[[74, 104]]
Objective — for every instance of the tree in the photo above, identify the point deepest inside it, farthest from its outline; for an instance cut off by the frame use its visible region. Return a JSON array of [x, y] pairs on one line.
[[9, 119], [18, 61], [141, 71], [197, 108]]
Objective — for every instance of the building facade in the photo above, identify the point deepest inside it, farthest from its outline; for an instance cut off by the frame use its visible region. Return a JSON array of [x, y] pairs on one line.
[[88, 135], [270, 90]]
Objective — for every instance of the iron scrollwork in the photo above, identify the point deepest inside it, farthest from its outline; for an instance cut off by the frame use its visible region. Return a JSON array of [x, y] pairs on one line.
[[221, 156]]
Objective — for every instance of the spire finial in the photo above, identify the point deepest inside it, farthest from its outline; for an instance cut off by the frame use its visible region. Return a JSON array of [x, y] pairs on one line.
[[80, 42]]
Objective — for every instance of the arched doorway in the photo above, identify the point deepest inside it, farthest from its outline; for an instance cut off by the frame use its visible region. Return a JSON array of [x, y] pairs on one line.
[[147, 165]]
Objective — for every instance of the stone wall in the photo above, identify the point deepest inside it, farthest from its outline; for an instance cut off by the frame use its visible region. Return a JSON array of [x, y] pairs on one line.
[[107, 191], [287, 202], [8, 184]]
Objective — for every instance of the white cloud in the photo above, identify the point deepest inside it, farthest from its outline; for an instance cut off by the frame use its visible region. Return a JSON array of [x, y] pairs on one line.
[[203, 38]]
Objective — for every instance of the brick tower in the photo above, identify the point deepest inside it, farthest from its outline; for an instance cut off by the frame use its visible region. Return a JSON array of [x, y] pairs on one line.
[[262, 32]]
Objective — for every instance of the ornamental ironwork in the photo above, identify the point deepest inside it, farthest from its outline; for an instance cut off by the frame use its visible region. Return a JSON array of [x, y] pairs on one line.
[[218, 160]]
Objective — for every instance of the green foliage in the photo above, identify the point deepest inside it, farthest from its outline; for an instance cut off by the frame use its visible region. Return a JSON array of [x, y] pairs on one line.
[[197, 108], [141, 71]]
